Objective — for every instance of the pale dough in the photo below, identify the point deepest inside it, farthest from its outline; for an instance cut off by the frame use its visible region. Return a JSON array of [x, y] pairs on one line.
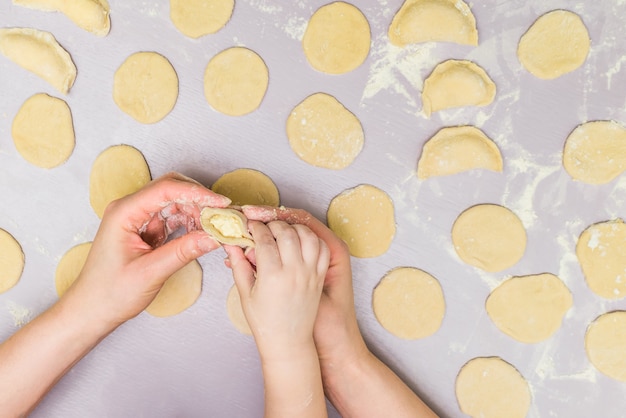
[[40, 53], [490, 237], [324, 133], [556, 44], [228, 226], [433, 21], [364, 218], [235, 81], [70, 266], [456, 83], [337, 38], [595, 152], [456, 149], [118, 171], [179, 292], [489, 387], [196, 18], [529, 308], [235, 311], [11, 261], [409, 303], [245, 186], [605, 343], [602, 256], [91, 15], [43, 131], [145, 87]]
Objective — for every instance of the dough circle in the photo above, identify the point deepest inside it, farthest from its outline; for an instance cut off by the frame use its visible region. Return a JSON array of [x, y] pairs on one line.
[[489, 387], [235, 81], [70, 266], [180, 291], [145, 87], [227, 226], [337, 38], [11, 261], [90, 15], [364, 218], [324, 133], [118, 171], [529, 308], [556, 44], [490, 237], [235, 311], [605, 343], [43, 132], [196, 18], [245, 186], [409, 303]]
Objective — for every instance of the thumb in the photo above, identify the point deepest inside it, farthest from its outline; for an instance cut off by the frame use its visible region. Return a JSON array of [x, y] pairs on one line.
[[243, 272]]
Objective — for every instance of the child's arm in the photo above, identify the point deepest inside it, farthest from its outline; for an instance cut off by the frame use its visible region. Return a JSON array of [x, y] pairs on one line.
[[280, 301]]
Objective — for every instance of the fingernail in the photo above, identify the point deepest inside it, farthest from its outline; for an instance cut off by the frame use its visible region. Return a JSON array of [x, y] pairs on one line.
[[206, 243]]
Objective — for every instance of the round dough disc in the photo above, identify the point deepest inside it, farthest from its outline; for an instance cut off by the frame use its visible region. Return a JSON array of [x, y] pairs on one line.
[[364, 218], [179, 292], [146, 87], [196, 18], [235, 311], [118, 171], [235, 81], [337, 38], [605, 343], [11, 261], [245, 186], [70, 267], [409, 303], [490, 237], [556, 44], [43, 132]]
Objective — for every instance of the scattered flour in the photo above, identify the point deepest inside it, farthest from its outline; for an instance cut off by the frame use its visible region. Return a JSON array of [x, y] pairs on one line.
[[20, 314]]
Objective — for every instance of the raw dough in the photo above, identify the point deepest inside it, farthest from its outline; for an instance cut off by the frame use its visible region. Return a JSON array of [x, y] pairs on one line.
[[235, 311], [455, 83], [118, 171], [489, 387], [91, 15], [605, 343], [490, 237], [235, 81], [456, 149], [602, 256], [556, 44], [324, 133], [245, 186], [409, 303], [39, 52], [70, 267], [529, 308], [433, 20], [179, 292], [196, 18], [43, 132], [228, 226], [595, 152], [11, 261], [337, 38], [364, 218], [145, 87]]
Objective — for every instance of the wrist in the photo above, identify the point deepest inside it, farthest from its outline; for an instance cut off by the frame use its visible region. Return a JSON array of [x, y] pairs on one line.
[[286, 351]]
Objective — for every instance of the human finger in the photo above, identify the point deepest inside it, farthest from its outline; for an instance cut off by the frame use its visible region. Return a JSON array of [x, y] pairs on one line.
[[243, 272], [265, 247], [287, 242]]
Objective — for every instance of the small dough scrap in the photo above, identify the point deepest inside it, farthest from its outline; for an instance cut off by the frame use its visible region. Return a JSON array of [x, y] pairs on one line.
[[324, 133], [179, 292], [556, 44], [602, 256], [529, 308], [489, 387], [456, 149], [117, 172], [605, 343], [337, 38], [245, 186], [196, 18], [409, 303], [595, 152], [43, 132], [235, 81], [70, 266], [90, 15], [456, 83], [433, 21], [40, 53], [235, 311], [490, 237], [228, 226], [11, 261], [145, 87], [364, 218]]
